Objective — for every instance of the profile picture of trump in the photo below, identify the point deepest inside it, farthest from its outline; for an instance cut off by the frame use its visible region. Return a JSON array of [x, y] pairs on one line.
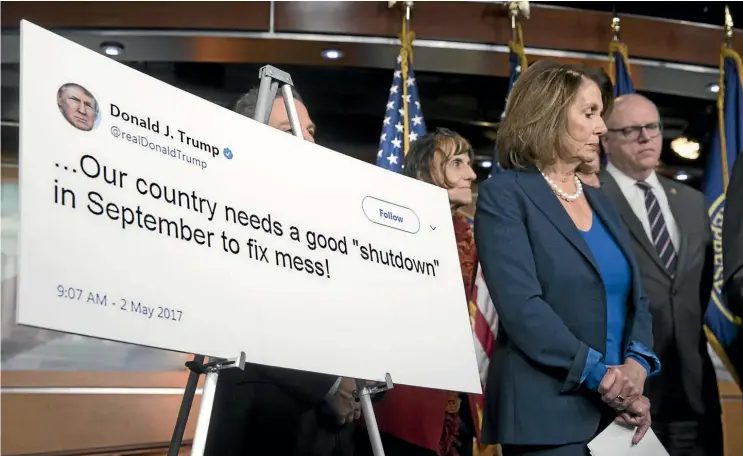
[[78, 106]]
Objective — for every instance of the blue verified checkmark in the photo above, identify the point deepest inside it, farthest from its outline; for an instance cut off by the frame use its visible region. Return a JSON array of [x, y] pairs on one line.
[[227, 153]]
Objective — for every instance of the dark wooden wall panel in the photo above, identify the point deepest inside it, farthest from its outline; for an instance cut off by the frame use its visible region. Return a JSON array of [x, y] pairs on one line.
[[453, 21], [549, 28], [79, 379], [732, 417], [38, 423], [167, 15]]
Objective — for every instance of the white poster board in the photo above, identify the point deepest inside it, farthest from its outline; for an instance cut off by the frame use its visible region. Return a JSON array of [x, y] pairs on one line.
[[167, 221]]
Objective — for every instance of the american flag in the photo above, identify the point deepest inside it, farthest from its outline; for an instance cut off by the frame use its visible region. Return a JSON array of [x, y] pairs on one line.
[[485, 324], [392, 144], [485, 317], [484, 321]]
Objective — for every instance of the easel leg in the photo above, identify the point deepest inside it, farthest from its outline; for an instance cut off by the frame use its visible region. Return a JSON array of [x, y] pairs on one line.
[[271, 79], [371, 421], [211, 369], [291, 110], [205, 412], [266, 95], [185, 410]]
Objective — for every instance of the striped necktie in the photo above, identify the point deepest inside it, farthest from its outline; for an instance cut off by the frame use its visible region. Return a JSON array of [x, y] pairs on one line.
[[659, 230]]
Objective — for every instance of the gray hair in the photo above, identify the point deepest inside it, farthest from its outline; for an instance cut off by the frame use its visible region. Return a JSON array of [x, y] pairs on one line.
[[247, 103]]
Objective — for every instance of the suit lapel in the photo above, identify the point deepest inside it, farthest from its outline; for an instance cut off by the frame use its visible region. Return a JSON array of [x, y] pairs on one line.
[[542, 196], [612, 226], [681, 217], [608, 221], [612, 190]]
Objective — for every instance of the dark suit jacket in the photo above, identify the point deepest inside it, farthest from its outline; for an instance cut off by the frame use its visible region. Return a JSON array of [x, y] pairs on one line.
[[551, 303], [677, 305], [732, 239], [271, 411]]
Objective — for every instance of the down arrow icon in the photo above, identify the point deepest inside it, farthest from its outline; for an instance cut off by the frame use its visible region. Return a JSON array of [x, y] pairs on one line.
[[432, 227]]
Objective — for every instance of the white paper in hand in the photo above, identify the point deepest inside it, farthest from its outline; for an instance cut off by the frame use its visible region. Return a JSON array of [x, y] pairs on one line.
[[616, 440]]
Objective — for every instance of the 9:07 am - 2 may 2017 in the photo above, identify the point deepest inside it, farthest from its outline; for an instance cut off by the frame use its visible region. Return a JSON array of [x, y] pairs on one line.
[[131, 306]]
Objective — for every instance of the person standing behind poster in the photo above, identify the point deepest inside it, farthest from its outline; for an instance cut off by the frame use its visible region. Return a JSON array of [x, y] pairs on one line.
[[421, 421], [588, 172], [672, 240], [267, 410]]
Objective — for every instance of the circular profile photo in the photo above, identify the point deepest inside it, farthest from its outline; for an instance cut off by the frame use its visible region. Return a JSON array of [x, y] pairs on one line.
[[78, 106]]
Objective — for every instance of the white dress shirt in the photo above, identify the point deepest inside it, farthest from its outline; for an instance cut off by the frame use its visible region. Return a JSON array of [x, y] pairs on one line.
[[635, 196]]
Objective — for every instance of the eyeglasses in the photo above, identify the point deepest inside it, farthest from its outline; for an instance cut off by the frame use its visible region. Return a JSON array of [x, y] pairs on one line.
[[633, 132]]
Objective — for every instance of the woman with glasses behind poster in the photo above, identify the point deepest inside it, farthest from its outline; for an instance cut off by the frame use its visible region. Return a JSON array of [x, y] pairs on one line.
[[422, 421], [575, 337]]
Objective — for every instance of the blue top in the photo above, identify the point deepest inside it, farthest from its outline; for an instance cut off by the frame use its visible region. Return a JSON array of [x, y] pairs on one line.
[[617, 277]]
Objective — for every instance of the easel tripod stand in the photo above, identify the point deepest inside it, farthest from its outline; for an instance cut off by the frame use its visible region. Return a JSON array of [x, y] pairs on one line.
[[271, 79]]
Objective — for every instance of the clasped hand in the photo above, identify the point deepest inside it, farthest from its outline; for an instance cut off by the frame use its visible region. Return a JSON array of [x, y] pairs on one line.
[[344, 405], [622, 389], [622, 385], [636, 414]]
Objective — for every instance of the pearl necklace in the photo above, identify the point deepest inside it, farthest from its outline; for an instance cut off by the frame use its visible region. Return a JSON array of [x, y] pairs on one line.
[[562, 193]]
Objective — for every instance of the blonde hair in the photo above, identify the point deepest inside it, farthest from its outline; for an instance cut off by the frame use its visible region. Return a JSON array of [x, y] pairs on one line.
[[534, 128]]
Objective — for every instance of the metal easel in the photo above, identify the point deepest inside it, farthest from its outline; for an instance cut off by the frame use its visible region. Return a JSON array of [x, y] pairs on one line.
[[211, 370], [271, 78]]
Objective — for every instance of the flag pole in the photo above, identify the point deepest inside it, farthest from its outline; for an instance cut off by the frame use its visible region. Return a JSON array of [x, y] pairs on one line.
[[517, 10], [406, 53], [727, 49], [615, 28], [617, 46], [728, 27]]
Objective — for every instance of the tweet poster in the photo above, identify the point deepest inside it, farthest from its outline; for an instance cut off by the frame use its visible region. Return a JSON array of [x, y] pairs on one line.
[[152, 217]]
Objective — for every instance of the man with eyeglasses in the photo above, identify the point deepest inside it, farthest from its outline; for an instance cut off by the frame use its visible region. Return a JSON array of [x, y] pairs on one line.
[[673, 245]]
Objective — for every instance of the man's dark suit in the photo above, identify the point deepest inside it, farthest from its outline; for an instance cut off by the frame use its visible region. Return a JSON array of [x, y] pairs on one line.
[[270, 411], [686, 389]]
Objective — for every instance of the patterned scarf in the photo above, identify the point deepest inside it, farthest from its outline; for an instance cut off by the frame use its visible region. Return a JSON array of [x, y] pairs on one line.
[[467, 261]]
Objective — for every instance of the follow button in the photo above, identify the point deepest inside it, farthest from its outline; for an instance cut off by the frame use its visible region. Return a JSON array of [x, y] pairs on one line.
[[390, 215]]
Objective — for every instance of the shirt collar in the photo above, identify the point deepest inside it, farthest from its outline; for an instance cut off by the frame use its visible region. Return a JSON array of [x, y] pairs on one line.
[[626, 183]]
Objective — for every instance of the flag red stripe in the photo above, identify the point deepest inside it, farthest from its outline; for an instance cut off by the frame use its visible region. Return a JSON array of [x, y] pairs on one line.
[[484, 333]]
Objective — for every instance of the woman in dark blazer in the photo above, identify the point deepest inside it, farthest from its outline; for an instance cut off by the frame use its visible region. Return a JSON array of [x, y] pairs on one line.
[[575, 341]]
